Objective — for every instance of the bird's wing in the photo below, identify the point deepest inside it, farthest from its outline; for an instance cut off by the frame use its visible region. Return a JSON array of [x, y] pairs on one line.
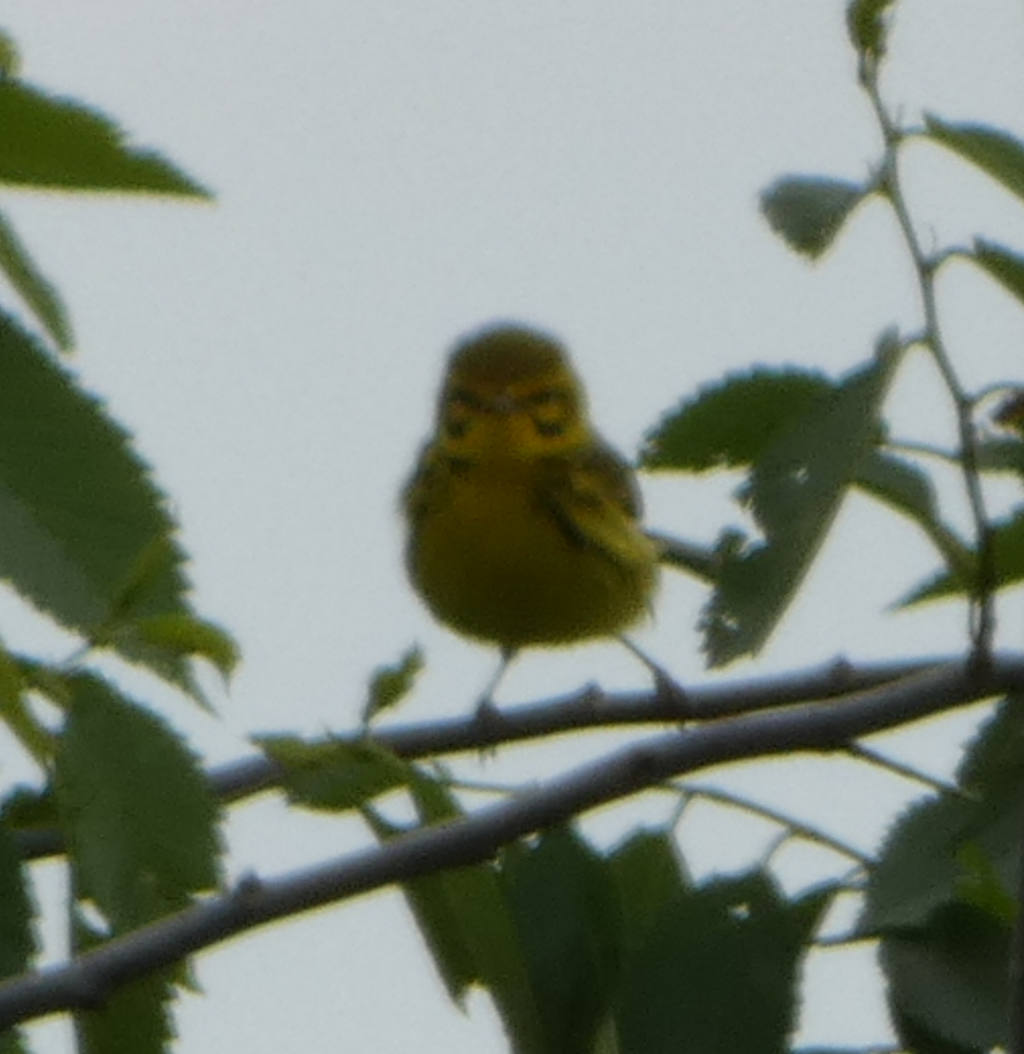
[[594, 498]]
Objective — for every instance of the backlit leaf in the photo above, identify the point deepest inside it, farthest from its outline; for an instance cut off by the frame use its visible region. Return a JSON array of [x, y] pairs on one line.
[[809, 211], [61, 144]]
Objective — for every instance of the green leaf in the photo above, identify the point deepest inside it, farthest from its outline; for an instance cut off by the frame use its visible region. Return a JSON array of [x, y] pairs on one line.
[[1004, 265], [134, 1018], [178, 636], [466, 923], [719, 971], [867, 23], [982, 887], [137, 812], [951, 850], [17, 940], [649, 875], [950, 977], [1001, 455], [435, 903], [28, 809], [332, 774], [1007, 566], [997, 153], [78, 509], [33, 287], [903, 487], [809, 211], [16, 713], [733, 422], [389, 685], [993, 763], [13, 1042], [564, 904], [61, 144], [796, 488], [917, 872]]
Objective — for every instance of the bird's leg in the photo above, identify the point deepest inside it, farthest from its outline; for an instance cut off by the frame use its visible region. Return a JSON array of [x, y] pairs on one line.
[[667, 687], [488, 716]]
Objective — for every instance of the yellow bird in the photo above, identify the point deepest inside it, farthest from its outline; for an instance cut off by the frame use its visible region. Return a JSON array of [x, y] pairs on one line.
[[523, 523]]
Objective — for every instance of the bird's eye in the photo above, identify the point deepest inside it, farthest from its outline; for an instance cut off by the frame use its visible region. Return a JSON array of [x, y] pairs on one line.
[[465, 400], [550, 410], [548, 397], [549, 428]]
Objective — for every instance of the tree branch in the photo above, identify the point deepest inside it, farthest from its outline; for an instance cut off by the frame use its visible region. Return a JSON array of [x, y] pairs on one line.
[[90, 979], [588, 709]]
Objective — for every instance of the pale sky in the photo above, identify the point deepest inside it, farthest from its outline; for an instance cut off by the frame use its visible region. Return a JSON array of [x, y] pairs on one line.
[[391, 175]]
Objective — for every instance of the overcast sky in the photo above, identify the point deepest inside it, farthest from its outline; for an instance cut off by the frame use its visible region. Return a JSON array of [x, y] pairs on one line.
[[391, 175]]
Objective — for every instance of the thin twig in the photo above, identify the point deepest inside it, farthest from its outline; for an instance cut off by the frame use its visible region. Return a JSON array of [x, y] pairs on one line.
[[900, 768], [982, 612], [791, 823]]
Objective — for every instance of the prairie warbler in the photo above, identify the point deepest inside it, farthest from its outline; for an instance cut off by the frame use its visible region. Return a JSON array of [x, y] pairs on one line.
[[523, 524]]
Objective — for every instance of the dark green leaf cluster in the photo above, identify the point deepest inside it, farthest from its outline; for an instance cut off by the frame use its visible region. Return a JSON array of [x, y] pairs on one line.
[[614, 951], [139, 826], [942, 898], [87, 538]]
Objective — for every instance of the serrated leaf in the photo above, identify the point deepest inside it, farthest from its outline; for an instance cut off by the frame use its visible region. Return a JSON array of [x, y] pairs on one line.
[[719, 972], [917, 871], [17, 940], [78, 507], [903, 487], [39, 294], [136, 808], [61, 144], [809, 211], [390, 684], [563, 901], [950, 977], [1007, 566], [796, 488], [334, 775], [134, 1018], [931, 857], [1004, 265], [997, 153], [731, 423], [867, 23], [993, 762]]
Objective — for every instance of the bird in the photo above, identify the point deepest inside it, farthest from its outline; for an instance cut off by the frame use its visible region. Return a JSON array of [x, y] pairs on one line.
[[523, 523]]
